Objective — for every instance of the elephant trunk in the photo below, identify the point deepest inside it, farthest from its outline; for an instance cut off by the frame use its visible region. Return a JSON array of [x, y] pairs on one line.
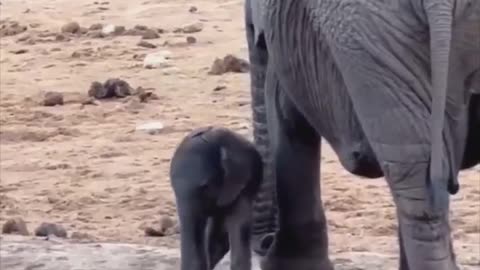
[[440, 17], [264, 207]]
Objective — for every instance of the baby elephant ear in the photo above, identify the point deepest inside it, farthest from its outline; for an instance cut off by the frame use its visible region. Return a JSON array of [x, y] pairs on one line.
[[236, 175]]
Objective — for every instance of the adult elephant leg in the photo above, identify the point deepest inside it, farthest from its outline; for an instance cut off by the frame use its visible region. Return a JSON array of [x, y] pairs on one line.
[[264, 207], [301, 241], [403, 257], [381, 97]]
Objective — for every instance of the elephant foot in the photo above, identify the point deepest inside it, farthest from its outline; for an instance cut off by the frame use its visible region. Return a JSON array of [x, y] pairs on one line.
[[289, 256], [271, 262]]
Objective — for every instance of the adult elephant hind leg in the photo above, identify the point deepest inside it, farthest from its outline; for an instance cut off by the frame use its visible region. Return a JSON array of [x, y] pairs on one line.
[[301, 242], [390, 104]]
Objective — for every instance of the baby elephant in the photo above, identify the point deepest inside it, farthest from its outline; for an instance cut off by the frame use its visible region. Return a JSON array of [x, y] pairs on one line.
[[215, 174]]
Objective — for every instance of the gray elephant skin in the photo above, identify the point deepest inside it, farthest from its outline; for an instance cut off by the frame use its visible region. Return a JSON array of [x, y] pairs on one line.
[[215, 174], [388, 85]]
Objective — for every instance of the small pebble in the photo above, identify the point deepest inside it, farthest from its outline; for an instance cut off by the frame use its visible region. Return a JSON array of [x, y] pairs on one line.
[[146, 44], [15, 226], [71, 27], [46, 229], [52, 99]]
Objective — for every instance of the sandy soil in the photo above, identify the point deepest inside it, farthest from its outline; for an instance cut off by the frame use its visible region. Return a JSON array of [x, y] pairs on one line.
[[85, 167]]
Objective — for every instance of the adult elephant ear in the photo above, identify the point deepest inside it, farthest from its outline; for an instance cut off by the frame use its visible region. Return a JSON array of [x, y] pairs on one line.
[[439, 14], [236, 175]]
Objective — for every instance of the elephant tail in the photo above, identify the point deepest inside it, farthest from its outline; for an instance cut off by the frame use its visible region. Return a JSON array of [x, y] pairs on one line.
[[440, 18]]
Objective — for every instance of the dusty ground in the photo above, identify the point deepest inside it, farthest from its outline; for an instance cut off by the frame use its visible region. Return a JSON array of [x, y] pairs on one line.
[[84, 166]]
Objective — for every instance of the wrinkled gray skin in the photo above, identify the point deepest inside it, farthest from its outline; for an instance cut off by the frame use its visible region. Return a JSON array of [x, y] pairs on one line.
[[215, 174], [371, 78]]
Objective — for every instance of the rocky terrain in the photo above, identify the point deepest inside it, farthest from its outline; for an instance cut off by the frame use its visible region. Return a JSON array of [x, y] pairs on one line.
[[94, 97]]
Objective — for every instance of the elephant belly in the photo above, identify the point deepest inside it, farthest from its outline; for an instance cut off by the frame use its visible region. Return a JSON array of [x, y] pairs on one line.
[[314, 84]]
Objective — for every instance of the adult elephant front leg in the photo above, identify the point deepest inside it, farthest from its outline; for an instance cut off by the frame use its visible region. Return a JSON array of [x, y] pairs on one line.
[[385, 89], [301, 242]]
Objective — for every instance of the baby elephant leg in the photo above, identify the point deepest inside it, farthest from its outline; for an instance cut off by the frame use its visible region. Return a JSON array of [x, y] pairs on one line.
[[239, 225], [217, 240]]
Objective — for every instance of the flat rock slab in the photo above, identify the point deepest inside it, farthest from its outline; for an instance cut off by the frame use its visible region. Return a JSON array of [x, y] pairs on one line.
[[27, 253]]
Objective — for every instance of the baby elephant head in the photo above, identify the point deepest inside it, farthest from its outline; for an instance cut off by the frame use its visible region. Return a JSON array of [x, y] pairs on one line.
[[240, 162]]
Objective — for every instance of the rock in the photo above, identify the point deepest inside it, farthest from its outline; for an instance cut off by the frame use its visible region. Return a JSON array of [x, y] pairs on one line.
[[157, 60], [193, 9], [83, 30], [96, 34], [149, 231], [117, 87], [140, 27], [97, 90], [146, 44], [146, 96], [229, 63], [164, 228], [96, 26], [52, 98], [151, 128], [191, 28], [113, 30], [11, 28], [61, 37], [150, 34], [19, 51], [219, 88], [47, 229], [15, 226], [191, 40], [71, 27]]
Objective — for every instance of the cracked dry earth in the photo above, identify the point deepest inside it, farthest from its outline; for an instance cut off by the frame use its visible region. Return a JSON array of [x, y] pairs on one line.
[[86, 168]]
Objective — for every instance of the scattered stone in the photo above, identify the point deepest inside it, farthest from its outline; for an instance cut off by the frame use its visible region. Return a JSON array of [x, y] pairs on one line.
[[219, 88], [96, 26], [83, 30], [111, 88], [113, 29], [89, 101], [81, 236], [139, 56], [47, 229], [157, 60], [152, 232], [191, 40], [97, 90], [146, 96], [15, 226], [52, 99], [133, 32], [140, 27], [88, 52], [165, 228], [193, 9], [150, 34], [96, 34], [11, 28], [71, 27], [61, 37], [146, 44], [19, 51], [190, 29], [229, 63], [24, 38], [151, 128], [117, 87]]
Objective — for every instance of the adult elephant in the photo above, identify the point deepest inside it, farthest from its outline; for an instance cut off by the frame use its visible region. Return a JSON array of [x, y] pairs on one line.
[[386, 84]]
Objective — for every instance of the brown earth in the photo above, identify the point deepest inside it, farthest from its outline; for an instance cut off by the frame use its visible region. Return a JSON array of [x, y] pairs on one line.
[[83, 165]]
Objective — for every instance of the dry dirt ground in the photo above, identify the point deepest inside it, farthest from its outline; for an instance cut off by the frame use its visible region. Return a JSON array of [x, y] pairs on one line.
[[85, 166]]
